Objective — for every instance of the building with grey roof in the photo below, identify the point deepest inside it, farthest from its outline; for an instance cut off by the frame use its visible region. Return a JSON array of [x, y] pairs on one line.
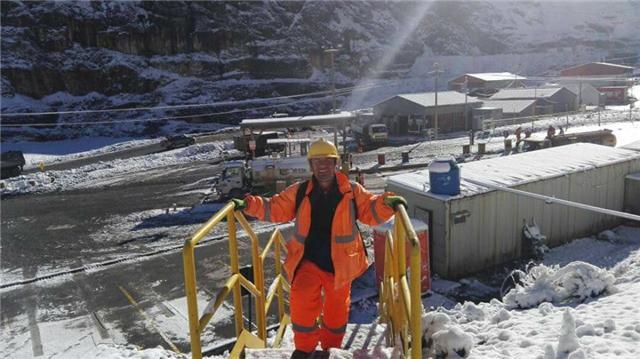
[[415, 113], [549, 99], [586, 94], [512, 108], [486, 80]]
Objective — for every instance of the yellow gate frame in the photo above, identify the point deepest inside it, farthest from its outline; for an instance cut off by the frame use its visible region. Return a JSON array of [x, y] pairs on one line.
[[262, 303]]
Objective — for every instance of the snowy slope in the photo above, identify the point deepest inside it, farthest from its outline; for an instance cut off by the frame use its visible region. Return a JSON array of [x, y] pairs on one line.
[[76, 55]]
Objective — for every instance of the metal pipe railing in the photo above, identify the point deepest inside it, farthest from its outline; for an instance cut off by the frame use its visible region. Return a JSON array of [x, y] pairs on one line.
[[400, 304], [234, 283], [401, 307]]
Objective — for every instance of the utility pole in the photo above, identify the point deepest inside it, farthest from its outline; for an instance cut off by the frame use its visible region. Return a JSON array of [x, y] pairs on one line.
[[332, 52], [580, 95], [466, 110], [437, 71], [535, 99]]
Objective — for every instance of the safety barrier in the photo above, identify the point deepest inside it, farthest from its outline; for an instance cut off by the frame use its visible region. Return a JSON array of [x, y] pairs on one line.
[[245, 338], [400, 304]]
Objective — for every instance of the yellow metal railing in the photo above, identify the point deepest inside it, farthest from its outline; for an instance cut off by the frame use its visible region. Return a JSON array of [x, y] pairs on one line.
[[245, 338], [400, 304]]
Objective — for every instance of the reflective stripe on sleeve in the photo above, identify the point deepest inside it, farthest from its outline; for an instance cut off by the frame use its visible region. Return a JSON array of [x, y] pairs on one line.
[[374, 213], [352, 236]]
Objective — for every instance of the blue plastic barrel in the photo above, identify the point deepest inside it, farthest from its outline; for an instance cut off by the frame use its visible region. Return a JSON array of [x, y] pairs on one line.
[[444, 176]]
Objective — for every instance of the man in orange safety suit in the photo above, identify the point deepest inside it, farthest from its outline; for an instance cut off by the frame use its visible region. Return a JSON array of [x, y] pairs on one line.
[[325, 252]]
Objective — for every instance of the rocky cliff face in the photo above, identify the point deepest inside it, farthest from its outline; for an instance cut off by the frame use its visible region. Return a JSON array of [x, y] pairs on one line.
[[74, 55]]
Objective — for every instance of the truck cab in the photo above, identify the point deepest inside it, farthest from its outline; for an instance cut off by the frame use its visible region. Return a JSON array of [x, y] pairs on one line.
[[260, 175], [370, 135], [234, 181], [378, 132]]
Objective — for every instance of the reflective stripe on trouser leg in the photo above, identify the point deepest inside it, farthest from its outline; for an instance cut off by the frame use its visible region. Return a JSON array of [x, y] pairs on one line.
[[335, 313], [305, 306]]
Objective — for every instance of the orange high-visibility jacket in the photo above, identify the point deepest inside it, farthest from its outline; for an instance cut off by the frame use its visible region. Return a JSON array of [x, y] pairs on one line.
[[347, 251]]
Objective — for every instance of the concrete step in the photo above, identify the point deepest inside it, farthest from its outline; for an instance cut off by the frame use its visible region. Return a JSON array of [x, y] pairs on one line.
[[361, 338]]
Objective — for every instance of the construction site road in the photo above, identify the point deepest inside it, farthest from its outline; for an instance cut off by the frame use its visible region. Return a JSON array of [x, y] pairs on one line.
[[57, 292]]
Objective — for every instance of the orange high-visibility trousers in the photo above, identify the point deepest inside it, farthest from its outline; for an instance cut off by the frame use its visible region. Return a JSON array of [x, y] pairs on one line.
[[307, 304]]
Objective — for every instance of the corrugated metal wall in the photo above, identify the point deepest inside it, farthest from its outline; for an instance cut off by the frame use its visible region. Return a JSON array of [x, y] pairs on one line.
[[632, 194], [491, 234]]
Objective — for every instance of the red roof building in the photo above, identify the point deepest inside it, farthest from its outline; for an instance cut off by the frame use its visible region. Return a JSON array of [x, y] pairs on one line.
[[598, 69]]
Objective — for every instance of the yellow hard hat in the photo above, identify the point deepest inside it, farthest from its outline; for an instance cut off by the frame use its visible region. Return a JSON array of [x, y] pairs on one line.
[[322, 148]]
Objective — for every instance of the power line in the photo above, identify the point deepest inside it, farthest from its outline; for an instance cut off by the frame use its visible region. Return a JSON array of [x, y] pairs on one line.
[[341, 91], [213, 104]]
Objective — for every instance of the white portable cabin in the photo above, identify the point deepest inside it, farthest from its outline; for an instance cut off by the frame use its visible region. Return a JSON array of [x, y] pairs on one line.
[[481, 228]]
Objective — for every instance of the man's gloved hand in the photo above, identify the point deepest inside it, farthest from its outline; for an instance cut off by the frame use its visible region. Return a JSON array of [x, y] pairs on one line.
[[239, 204], [395, 201]]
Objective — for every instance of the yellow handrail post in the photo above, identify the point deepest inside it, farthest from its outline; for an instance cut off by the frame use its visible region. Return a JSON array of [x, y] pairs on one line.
[[400, 248], [189, 268], [416, 304], [235, 269], [400, 303], [192, 302], [278, 265], [258, 275]]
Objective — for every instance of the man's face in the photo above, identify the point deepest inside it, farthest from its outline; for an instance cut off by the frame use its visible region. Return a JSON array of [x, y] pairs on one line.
[[323, 168]]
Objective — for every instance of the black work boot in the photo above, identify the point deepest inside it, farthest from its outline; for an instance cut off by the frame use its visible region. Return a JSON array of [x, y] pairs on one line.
[[299, 354]]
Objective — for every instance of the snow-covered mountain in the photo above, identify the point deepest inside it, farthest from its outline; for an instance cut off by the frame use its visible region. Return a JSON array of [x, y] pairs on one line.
[[72, 55]]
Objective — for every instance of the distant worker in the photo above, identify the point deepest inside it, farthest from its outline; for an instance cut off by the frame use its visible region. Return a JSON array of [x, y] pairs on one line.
[[518, 134], [527, 133], [325, 252], [551, 131]]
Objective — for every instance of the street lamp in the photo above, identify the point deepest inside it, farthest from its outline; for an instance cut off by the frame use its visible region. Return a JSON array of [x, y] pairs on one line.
[[332, 52]]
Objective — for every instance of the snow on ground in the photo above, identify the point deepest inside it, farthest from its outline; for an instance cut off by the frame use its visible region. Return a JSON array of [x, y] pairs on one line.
[[602, 324], [66, 150], [111, 172], [565, 308]]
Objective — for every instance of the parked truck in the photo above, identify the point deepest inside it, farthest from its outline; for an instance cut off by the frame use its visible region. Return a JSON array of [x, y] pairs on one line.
[[370, 135], [12, 163], [260, 176], [367, 132]]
